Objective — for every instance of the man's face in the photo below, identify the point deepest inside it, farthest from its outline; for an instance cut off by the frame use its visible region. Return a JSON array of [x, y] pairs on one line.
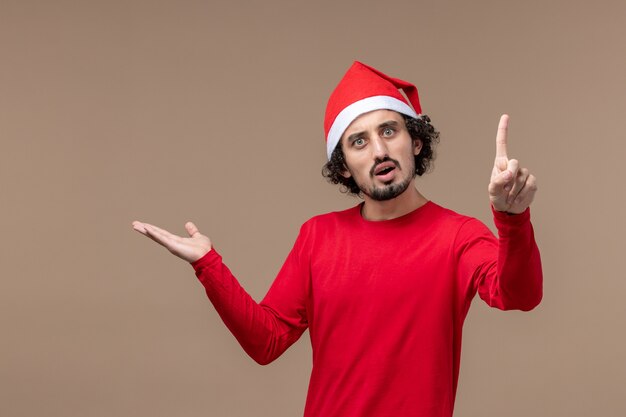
[[379, 154]]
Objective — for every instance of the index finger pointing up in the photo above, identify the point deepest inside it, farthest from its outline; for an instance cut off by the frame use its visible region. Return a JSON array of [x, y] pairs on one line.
[[503, 127]]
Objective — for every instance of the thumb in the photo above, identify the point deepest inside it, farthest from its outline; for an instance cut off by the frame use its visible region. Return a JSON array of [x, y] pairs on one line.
[[499, 182], [501, 163], [191, 229]]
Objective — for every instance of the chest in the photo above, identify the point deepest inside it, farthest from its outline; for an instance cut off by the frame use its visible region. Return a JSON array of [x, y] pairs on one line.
[[374, 271]]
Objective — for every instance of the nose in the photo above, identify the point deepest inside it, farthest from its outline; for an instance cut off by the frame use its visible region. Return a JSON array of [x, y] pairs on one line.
[[379, 148]]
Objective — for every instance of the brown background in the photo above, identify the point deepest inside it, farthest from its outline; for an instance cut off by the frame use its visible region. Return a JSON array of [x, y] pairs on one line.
[[168, 111]]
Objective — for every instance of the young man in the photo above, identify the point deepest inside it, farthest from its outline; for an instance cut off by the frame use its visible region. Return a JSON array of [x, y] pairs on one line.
[[384, 287]]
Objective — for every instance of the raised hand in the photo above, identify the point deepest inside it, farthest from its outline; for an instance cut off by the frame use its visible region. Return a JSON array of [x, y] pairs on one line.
[[512, 188], [189, 248]]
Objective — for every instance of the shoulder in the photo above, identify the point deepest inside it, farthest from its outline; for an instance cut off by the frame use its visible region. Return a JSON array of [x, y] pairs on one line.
[[446, 213], [457, 225], [333, 218], [327, 225], [447, 216]]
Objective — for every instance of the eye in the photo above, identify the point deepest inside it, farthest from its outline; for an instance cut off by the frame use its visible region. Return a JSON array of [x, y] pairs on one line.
[[388, 131], [358, 142]]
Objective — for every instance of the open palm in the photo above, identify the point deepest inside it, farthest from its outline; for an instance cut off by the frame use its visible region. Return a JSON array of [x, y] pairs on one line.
[[189, 248]]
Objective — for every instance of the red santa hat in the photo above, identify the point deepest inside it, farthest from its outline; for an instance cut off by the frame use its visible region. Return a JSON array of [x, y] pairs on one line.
[[363, 89]]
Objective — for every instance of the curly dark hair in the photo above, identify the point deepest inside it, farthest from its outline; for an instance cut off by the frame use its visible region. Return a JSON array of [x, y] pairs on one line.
[[419, 128]]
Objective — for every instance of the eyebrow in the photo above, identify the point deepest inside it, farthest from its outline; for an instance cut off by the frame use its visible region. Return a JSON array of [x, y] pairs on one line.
[[389, 123]]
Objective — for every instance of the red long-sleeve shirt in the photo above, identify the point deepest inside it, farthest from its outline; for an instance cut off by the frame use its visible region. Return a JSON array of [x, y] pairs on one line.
[[384, 302]]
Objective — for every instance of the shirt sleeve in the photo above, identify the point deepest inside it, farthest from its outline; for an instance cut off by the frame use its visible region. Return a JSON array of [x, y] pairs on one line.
[[264, 330], [505, 271]]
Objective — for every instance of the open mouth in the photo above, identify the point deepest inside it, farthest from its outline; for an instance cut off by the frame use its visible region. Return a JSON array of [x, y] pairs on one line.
[[385, 171], [384, 168]]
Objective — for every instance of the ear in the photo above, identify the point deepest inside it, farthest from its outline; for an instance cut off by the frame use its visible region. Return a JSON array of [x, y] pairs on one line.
[[417, 146], [345, 172]]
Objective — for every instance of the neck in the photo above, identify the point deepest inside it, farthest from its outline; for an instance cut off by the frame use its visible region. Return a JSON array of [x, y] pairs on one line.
[[403, 204]]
